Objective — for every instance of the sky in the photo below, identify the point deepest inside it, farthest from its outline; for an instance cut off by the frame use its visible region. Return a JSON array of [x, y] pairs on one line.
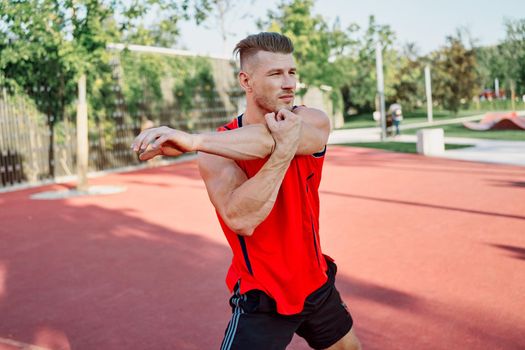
[[423, 22]]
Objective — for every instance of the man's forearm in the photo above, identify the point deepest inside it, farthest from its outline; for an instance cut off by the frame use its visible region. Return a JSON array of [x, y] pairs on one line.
[[250, 203], [254, 142], [249, 142]]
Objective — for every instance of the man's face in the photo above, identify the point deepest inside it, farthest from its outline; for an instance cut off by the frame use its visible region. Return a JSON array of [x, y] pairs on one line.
[[272, 79]]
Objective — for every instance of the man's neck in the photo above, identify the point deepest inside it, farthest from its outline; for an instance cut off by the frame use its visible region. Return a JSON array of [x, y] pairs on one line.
[[253, 115]]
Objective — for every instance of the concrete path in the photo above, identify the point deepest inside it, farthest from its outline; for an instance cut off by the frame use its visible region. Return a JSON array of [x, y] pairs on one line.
[[483, 150]]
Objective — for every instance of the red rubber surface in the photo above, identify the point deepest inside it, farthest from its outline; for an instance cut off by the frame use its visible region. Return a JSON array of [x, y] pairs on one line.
[[431, 255]]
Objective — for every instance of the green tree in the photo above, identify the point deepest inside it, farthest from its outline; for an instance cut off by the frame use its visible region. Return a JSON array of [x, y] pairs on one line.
[[39, 58], [316, 44], [504, 61], [222, 17], [328, 55], [454, 75], [407, 78], [491, 65], [359, 66], [513, 52], [46, 44]]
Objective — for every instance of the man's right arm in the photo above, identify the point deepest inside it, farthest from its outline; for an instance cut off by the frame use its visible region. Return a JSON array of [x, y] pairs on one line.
[[249, 142], [241, 202]]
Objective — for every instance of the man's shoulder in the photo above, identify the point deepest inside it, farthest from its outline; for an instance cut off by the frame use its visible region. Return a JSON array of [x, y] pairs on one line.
[[305, 108], [233, 124], [312, 116]]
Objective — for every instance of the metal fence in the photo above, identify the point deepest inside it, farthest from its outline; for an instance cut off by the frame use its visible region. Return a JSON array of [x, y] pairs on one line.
[[32, 151], [25, 143]]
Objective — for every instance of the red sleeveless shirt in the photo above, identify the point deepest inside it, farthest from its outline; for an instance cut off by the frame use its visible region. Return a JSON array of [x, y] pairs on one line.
[[283, 256]]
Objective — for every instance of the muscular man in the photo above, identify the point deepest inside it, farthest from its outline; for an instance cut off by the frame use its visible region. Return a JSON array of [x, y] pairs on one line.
[[262, 172]]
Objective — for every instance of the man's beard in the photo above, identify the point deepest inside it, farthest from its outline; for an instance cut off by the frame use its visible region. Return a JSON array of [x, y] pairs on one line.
[[269, 105]]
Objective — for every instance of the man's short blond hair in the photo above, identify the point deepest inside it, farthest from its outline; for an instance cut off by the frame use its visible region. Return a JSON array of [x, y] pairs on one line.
[[264, 41]]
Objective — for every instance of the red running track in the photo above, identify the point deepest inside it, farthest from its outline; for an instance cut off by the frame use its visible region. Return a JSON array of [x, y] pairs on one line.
[[431, 255]]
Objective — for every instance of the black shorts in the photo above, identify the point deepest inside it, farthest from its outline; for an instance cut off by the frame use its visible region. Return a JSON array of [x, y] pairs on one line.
[[256, 325]]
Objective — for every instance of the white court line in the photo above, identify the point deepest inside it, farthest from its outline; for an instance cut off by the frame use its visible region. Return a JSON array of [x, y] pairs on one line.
[[23, 346]]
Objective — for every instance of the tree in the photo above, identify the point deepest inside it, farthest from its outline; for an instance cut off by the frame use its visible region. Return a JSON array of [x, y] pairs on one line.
[[359, 66], [513, 52], [491, 65], [46, 44], [328, 55], [504, 61], [407, 78], [315, 44], [455, 79], [220, 11]]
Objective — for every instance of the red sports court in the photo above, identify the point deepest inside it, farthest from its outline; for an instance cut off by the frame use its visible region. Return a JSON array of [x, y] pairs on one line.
[[431, 255]]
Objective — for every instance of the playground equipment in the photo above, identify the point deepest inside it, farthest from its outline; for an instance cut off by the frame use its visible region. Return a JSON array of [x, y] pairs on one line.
[[498, 121]]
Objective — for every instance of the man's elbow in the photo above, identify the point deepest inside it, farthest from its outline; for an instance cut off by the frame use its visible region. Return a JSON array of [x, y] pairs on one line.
[[240, 228], [246, 232], [238, 225], [325, 123]]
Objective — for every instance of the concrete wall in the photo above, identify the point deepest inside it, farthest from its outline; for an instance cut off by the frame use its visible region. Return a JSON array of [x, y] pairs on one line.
[[317, 98]]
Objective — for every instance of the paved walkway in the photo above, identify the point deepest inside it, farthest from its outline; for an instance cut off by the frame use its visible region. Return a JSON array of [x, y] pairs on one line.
[[483, 150]]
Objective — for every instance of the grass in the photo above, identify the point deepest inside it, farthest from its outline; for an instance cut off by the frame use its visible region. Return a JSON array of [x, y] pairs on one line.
[[404, 147], [458, 130], [365, 120], [418, 116]]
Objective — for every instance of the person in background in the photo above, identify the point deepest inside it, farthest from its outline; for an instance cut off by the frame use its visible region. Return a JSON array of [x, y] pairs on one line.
[[397, 116]]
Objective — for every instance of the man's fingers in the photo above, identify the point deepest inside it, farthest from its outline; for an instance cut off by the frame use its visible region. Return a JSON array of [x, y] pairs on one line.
[[149, 154], [159, 141], [149, 139], [284, 114], [139, 140], [135, 145], [142, 141], [270, 120]]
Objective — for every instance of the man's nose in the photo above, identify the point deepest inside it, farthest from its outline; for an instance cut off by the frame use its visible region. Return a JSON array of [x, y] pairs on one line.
[[289, 82]]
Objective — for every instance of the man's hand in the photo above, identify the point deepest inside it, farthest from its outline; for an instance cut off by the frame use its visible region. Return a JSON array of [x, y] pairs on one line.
[[162, 141], [285, 127]]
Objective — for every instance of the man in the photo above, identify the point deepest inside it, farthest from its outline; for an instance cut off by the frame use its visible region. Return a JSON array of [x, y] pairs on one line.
[[396, 114], [262, 172]]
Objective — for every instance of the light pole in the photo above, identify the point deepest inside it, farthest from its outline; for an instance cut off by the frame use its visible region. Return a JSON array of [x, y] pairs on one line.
[[82, 136], [428, 89], [381, 89]]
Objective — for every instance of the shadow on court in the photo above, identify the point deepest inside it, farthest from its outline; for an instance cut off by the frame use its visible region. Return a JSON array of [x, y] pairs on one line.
[[93, 278], [430, 256]]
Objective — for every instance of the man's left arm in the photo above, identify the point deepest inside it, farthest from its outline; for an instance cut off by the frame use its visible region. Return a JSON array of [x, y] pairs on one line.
[[315, 131]]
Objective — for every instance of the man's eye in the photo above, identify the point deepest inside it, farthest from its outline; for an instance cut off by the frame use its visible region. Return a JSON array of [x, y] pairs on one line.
[[292, 73]]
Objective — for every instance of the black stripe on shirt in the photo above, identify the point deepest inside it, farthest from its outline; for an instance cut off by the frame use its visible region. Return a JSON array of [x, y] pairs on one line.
[[315, 243], [245, 253], [320, 154], [239, 121]]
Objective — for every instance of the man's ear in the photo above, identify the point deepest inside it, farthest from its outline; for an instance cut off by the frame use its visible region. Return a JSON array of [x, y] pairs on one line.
[[245, 81]]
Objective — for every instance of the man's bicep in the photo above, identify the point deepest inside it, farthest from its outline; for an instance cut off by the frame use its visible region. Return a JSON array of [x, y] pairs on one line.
[[221, 177], [315, 130]]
